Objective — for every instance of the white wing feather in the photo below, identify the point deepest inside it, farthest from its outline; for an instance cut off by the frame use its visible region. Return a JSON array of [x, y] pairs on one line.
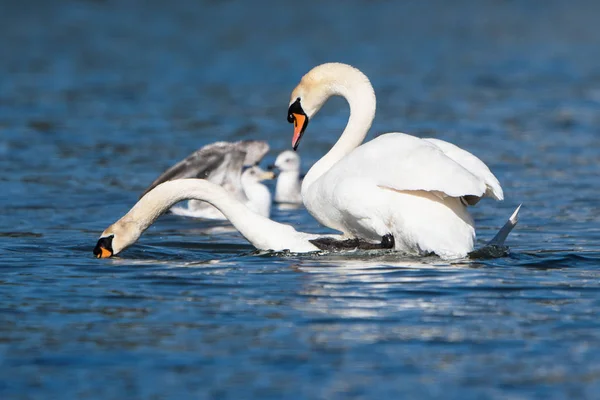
[[472, 164], [404, 162]]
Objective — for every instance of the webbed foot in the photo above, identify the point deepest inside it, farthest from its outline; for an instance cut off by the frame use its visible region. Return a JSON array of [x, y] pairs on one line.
[[387, 242], [331, 244]]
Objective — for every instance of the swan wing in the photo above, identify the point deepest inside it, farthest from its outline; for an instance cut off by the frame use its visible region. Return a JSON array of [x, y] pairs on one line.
[[212, 161], [229, 174], [244, 154], [255, 150], [403, 162], [472, 164]]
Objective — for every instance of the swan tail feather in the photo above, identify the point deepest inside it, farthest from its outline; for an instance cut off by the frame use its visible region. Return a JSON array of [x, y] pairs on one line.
[[496, 248], [503, 233]]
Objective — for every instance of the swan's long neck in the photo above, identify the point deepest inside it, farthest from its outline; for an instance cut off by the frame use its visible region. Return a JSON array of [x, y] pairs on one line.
[[262, 232], [355, 87]]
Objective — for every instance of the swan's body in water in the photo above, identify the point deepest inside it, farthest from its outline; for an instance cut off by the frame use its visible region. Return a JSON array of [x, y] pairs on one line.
[[222, 163], [260, 231], [404, 192], [287, 189]]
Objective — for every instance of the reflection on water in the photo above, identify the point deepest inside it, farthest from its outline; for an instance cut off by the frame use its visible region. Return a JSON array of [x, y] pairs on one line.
[[98, 97]]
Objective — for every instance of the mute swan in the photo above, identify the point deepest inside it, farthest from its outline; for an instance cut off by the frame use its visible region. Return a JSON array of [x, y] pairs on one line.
[[287, 189], [407, 193], [263, 233], [220, 163]]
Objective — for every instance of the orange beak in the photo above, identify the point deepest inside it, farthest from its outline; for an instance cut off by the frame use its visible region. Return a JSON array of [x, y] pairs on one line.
[[300, 122], [104, 253], [104, 248], [297, 116]]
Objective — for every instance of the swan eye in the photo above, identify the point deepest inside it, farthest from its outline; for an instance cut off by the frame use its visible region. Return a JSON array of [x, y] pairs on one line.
[[295, 108]]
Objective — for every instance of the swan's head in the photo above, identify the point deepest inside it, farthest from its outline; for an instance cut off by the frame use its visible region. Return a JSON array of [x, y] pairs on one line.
[[256, 174], [315, 88], [116, 238], [307, 99], [287, 161]]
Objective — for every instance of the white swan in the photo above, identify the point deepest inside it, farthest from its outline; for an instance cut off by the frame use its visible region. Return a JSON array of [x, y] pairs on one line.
[[220, 163], [407, 193], [287, 189], [261, 232]]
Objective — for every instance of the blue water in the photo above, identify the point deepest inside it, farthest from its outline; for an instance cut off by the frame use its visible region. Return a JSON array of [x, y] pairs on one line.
[[98, 97]]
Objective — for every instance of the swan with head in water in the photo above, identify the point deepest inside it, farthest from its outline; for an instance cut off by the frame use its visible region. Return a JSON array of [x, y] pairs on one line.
[[260, 231], [407, 193], [287, 189]]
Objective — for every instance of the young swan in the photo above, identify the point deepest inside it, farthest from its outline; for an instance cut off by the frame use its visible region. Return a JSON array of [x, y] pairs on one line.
[[287, 189], [259, 197], [255, 196], [221, 163]]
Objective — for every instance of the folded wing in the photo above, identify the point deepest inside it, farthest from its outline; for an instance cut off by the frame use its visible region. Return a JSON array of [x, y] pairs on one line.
[[403, 162]]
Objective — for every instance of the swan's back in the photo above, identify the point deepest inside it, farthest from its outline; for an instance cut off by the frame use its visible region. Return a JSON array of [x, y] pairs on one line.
[[403, 162]]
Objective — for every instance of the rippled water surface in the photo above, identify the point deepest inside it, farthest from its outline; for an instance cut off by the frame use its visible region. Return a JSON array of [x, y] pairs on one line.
[[98, 97]]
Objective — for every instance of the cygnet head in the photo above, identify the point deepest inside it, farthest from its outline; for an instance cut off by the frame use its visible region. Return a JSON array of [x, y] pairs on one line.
[[256, 174], [117, 238], [287, 161], [315, 88]]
